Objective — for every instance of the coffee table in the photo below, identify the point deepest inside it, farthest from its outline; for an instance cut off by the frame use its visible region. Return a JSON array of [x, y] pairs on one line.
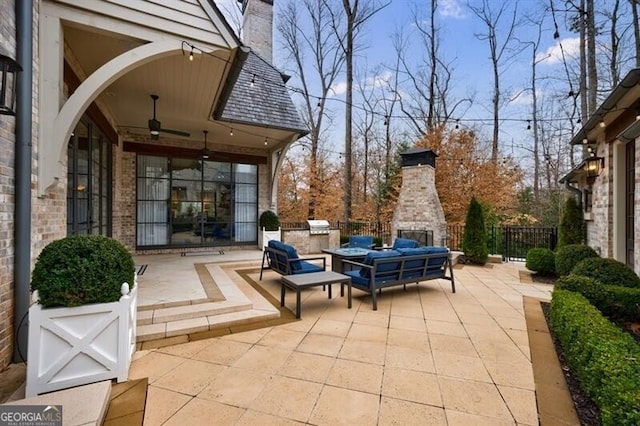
[[299, 281]]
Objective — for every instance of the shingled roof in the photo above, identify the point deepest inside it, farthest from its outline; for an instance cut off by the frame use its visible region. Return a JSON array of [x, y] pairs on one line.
[[264, 103]]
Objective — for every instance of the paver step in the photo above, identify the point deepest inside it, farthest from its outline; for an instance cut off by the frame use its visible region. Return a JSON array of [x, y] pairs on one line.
[[190, 311], [181, 327]]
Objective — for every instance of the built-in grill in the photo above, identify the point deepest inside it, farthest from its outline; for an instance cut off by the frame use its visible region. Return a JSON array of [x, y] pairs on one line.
[[318, 227]]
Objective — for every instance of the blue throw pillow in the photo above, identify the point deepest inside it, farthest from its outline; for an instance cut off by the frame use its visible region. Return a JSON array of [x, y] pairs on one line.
[[404, 243]]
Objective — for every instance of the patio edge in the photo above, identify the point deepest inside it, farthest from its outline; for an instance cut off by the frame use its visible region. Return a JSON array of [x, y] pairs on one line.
[[555, 406]]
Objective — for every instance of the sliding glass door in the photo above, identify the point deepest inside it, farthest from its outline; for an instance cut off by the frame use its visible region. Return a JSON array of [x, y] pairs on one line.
[[190, 202]]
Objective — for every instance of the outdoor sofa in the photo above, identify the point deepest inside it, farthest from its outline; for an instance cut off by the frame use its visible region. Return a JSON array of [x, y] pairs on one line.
[[388, 268], [283, 258]]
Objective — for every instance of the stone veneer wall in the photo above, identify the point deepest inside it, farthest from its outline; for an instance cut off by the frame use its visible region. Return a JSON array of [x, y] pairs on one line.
[[308, 244], [418, 206], [258, 21]]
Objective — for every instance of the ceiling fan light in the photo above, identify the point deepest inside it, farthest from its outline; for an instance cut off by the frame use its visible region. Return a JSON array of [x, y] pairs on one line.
[[155, 133]]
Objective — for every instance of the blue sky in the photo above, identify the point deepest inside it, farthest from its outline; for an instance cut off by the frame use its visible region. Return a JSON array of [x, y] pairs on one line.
[[470, 57]]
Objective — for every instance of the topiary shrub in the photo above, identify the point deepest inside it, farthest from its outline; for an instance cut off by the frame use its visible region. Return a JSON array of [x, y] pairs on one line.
[[82, 269], [572, 229], [607, 271], [568, 256], [269, 221], [474, 241], [541, 260]]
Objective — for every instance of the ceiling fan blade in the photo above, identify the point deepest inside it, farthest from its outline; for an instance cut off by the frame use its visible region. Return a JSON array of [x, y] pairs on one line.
[[175, 132]]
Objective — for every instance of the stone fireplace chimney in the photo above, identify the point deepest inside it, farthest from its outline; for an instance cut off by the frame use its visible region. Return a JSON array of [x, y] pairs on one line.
[[418, 209], [257, 27]]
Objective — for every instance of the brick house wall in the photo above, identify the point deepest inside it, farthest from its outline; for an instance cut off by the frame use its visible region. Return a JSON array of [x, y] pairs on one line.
[[7, 200]]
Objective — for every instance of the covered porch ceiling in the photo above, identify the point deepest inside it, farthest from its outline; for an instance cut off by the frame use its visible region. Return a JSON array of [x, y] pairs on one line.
[[188, 92]]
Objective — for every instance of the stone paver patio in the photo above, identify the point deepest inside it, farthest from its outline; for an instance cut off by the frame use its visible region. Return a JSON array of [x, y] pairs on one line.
[[426, 356]]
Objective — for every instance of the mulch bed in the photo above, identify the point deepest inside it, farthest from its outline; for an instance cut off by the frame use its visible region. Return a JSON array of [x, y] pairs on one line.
[[586, 409]]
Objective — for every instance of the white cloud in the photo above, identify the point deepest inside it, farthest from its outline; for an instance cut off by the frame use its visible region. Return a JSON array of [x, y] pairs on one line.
[[338, 88], [451, 9], [553, 55], [380, 80]]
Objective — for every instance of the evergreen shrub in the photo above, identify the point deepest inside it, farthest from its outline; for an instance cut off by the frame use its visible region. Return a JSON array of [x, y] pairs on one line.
[[541, 260], [82, 269], [269, 221], [568, 256], [603, 357], [474, 241], [572, 227]]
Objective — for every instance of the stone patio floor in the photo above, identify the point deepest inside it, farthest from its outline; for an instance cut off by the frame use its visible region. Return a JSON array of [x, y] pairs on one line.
[[426, 356]]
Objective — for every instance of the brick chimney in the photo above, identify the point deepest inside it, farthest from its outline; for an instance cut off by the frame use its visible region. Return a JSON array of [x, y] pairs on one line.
[[418, 211], [257, 27]]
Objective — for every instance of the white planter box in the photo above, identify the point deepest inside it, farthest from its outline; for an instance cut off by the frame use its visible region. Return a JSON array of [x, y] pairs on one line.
[[80, 345], [266, 236]]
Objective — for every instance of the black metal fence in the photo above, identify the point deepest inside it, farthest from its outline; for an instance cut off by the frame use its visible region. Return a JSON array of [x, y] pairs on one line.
[[512, 242]]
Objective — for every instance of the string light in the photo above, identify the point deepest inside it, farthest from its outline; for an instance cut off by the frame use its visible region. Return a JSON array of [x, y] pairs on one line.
[[231, 131], [266, 141], [387, 117], [602, 123]]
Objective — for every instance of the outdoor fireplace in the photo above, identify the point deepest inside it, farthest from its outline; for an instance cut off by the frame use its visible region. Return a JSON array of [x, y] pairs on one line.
[[419, 214]]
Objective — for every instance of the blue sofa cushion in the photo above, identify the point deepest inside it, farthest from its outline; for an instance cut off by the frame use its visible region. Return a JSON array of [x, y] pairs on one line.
[[289, 250], [303, 267], [415, 268], [368, 260], [404, 243]]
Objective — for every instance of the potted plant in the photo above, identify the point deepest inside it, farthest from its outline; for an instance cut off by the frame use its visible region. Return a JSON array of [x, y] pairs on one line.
[[269, 228], [82, 324]]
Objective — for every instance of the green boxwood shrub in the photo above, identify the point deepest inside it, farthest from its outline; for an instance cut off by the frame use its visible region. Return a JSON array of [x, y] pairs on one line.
[[474, 241], [269, 221], [607, 271], [604, 358], [541, 260], [615, 302], [597, 293], [82, 269], [568, 256]]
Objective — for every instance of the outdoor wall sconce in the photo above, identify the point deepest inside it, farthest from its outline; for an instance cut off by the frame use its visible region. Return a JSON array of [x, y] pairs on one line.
[[592, 166], [8, 69]]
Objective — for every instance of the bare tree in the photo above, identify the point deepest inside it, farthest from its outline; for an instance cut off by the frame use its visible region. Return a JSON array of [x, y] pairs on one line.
[[497, 22], [356, 13], [326, 54], [426, 98]]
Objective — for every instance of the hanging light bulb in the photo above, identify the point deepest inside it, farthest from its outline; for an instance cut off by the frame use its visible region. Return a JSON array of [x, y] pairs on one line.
[[266, 141], [579, 120], [457, 124], [602, 123], [191, 54], [231, 132], [528, 124], [386, 120]]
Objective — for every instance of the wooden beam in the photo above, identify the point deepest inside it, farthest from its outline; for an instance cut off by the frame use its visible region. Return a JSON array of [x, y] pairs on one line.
[[174, 151]]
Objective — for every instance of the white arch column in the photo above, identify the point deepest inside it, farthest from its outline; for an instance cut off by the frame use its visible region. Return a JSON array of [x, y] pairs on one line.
[[55, 129]]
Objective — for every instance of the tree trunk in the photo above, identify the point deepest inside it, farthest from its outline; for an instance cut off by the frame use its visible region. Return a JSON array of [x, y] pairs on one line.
[[636, 29], [591, 58], [584, 103]]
